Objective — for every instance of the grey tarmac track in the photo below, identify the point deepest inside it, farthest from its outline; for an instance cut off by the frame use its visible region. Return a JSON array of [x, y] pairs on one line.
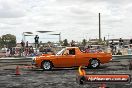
[[58, 78]]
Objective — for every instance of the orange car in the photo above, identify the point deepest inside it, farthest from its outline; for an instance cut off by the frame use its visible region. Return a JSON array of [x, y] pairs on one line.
[[71, 57]]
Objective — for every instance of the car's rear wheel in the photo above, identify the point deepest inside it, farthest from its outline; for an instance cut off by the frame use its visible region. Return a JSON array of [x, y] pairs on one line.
[[94, 63], [47, 65]]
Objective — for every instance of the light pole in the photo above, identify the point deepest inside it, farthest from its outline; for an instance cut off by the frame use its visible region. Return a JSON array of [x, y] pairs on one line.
[[99, 28]]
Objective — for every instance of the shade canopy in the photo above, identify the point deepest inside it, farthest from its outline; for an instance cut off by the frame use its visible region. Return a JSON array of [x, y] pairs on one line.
[[28, 32], [54, 34], [44, 31], [28, 35]]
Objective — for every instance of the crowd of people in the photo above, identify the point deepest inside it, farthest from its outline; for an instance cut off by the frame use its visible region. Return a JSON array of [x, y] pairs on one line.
[[26, 50], [116, 48], [21, 51], [113, 47], [91, 49]]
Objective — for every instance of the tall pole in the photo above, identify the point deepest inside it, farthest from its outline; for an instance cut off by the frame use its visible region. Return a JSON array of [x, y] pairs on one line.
[[99, 28]]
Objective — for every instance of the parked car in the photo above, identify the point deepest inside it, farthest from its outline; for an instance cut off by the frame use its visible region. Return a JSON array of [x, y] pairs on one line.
[[71, 57]]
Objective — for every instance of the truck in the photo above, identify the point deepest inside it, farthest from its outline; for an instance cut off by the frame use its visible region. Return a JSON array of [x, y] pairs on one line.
[[71, 57]]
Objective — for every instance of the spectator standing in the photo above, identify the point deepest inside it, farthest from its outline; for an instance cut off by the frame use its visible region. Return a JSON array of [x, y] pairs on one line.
[[113, 48], [27, 44], [36, 40], [121, 42], [129, 50], [11, 51], [22, 43], [8, 52], [26, 51], [22, 48], [87, 50], [31, 51]]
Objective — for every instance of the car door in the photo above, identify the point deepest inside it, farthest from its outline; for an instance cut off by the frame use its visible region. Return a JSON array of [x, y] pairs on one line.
[[67, 59]]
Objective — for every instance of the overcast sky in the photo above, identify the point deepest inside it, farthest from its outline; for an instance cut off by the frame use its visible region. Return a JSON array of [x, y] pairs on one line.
[[75, 19]]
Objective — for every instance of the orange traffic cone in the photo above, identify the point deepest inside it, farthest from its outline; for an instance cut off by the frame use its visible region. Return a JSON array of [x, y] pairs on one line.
[[17, 71]]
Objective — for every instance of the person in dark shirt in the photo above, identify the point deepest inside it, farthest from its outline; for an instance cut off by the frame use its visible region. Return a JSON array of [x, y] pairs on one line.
[[27, 44], [22, 43], [36, 41], [120, 42]]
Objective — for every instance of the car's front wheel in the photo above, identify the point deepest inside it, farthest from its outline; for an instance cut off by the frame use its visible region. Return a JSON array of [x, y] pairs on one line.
[[94, 63], [47, 65]]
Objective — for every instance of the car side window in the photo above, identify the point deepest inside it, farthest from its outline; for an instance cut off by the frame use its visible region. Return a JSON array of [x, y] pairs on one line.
[[72, 52], [69, 52]]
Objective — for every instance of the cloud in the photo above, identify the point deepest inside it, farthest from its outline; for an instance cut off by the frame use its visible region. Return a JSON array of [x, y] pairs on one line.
[[75, 19], [11, 9]]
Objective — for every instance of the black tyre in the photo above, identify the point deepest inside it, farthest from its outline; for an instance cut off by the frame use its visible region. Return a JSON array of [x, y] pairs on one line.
[[82, 80], [94, 63], [46, 65]]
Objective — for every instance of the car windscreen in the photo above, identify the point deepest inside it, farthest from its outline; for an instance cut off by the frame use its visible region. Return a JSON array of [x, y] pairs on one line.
[[61, 52]]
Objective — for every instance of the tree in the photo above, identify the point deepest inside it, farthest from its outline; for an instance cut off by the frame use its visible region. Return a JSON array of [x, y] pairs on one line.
[[84, 42], [72, 43], [65, 42], [61, 42], [8, 40]]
